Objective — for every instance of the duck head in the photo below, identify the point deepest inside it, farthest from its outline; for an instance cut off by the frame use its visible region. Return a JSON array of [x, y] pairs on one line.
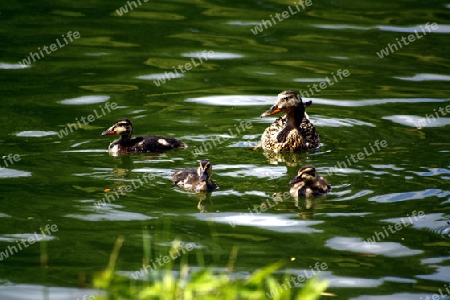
[[307, 174], [122, 127], [204, 171], [289, 102]]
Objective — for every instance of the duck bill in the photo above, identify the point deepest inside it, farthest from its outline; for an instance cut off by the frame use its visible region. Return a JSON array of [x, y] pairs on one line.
[[110, 131], [204, 176], [273, 110], [295, 180]]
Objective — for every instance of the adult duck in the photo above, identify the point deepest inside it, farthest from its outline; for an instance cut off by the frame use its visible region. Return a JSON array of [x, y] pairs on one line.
[[293, 131]]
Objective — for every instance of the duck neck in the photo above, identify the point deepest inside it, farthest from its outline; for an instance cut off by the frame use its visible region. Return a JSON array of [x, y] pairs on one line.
[[124, 138], [210, 184], [295, 116]]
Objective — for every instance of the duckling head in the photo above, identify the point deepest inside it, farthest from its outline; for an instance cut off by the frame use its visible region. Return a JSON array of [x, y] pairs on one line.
[[289, 102], [307, 174], [204, 171], [122, 127]]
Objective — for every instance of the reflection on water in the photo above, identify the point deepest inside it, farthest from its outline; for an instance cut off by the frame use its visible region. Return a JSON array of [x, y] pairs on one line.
[[279, 223], [236, 100], [426, 77], [357, 245], [35, 133], [85, 100], [13, 291], [7, 66]]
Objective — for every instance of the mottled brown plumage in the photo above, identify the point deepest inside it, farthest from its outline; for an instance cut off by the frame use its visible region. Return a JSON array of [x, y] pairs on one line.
[[195, 179], [292, 131], [308, 183], [127, 144]]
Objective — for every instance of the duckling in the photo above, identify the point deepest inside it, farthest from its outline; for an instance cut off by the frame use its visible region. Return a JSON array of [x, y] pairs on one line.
[[140, 144], [195, 180], [292, 131], [308, 183]]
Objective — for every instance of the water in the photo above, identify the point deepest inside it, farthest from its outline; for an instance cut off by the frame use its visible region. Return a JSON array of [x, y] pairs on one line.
[[57, 178]]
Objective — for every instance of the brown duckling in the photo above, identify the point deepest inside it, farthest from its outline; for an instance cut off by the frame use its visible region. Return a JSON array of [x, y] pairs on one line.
[[308, 183], [292, 131], [127, 144], [195, 179]]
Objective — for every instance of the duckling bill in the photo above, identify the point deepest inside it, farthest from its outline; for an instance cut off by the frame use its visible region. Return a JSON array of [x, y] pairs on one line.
[[195, 179], [308, 183], [140, 144]]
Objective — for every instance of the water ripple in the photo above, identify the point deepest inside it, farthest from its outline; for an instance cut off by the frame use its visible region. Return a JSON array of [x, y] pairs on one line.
[[359, 194], [235, 100], [428, 221], [333, 215], [19, 236], [279, 223], [442, 274], [255, 100], [369, 102], [338, 27], [7, 66], [162, 76], [411, 29], [36, 133], [426, 77], [85, 100], [13, 291], [357, 245], [217, 55], [336, 122], [108, 212], [397, 197], [433, 172], [398, 296], [342, 281], [11, 173], [417, 121], [244, 171]]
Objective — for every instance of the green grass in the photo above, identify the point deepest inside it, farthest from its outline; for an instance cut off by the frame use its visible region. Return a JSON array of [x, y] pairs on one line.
[[201, 283]]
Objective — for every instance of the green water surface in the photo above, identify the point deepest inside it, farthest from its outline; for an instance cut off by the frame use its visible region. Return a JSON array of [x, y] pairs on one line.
[[56, 173]]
